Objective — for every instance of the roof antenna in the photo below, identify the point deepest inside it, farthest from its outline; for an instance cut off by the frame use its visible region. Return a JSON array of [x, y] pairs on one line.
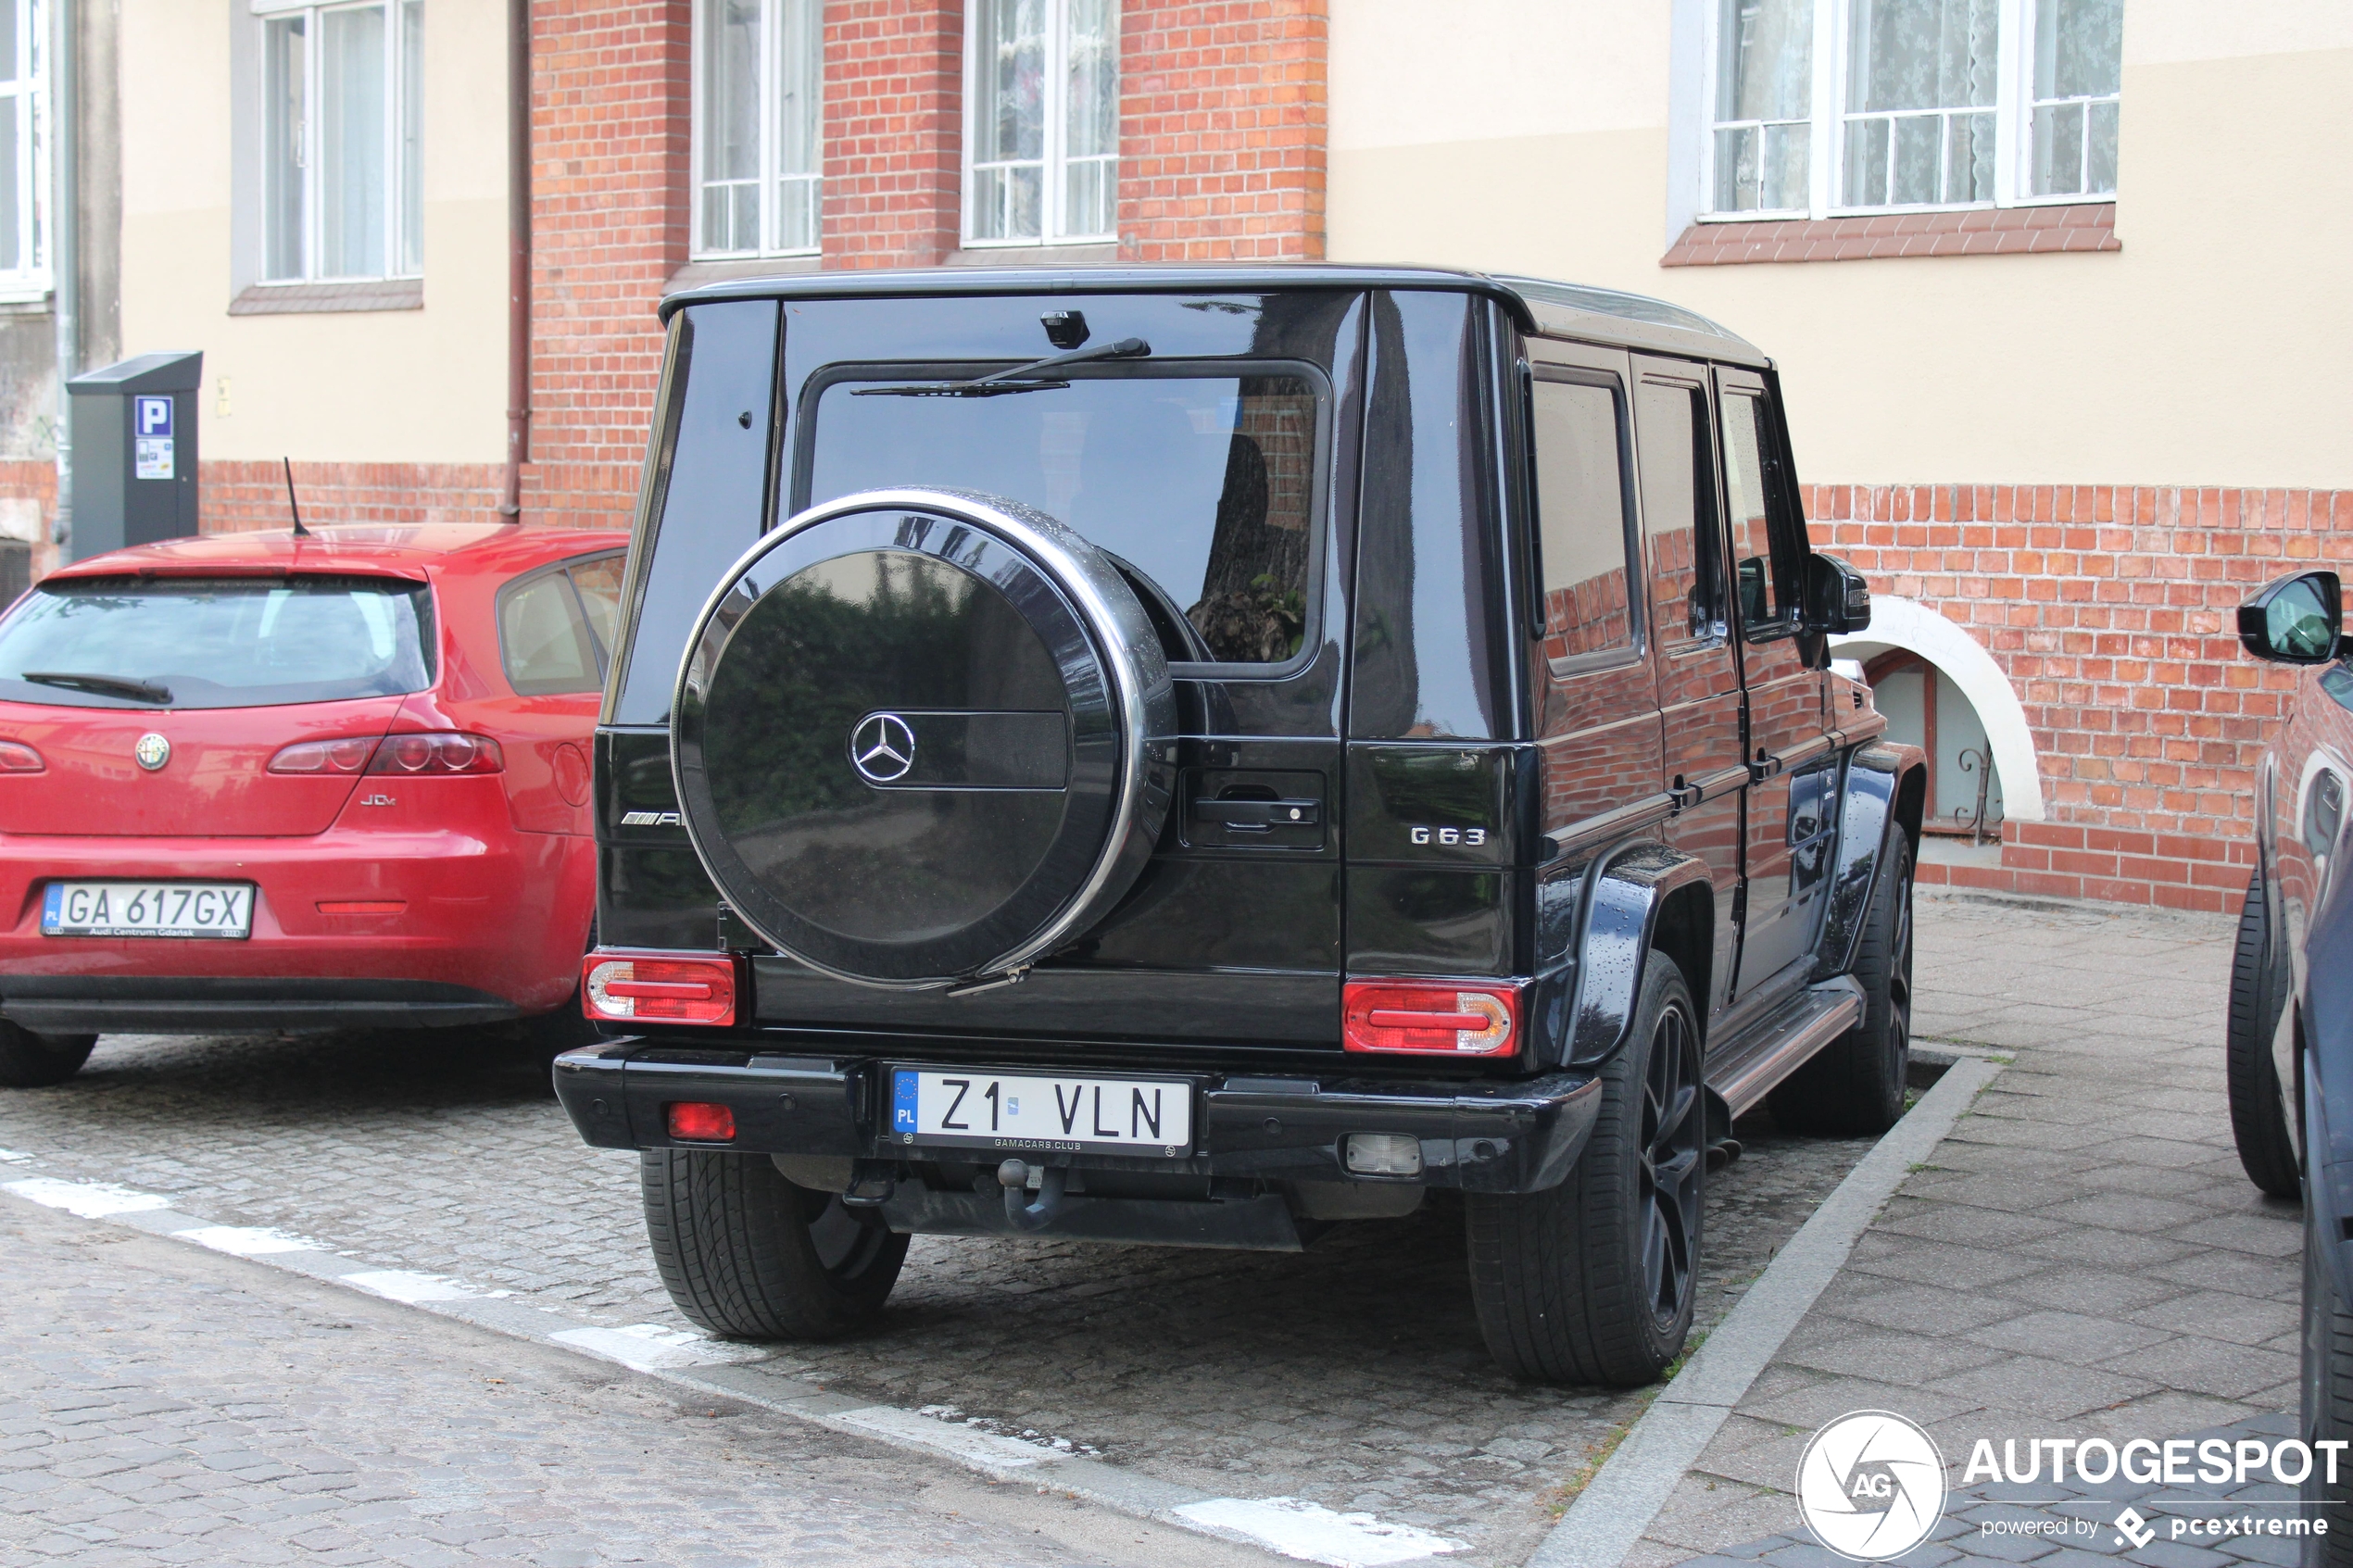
[[292, 504]]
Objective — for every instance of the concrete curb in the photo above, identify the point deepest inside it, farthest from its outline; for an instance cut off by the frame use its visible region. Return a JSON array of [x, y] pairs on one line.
[[1627, 1492]]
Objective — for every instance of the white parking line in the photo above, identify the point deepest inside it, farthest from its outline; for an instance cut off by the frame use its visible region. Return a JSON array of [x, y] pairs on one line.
[[1287, 1527], [91, 1201]]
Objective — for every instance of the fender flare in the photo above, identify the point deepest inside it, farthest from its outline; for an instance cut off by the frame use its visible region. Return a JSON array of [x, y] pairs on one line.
[[1872, 805], [1627, 889]]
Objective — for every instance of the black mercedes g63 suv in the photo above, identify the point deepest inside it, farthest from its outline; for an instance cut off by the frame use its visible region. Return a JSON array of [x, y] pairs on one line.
[[1192, 756]]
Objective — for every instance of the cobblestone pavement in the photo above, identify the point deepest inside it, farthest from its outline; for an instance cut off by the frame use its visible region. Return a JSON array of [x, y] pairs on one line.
[[159, 1405], [1353, 1376], [2083, 1257]]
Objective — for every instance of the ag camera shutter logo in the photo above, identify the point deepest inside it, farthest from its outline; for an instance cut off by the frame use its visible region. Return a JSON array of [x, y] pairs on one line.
[[1871, 1486]]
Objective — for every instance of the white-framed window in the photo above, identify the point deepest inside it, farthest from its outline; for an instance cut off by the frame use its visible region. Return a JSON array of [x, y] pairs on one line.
[[759, 154], [24, 152], [1041, 162], [1819, 107], [341, 107]]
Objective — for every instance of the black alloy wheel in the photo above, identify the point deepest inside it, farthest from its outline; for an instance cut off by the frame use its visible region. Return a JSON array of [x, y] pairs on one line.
[[1592, 1282], [1856, 1085], [1673, 1150]]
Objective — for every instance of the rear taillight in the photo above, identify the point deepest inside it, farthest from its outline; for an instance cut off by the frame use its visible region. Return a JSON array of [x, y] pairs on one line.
[[440, 752], [1429, 1018], [17, 757], [324, 756], [657, 987], [696, 1120]]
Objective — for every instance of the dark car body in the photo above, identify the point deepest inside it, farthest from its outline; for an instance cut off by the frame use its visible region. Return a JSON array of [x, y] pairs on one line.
[[1480, 802]]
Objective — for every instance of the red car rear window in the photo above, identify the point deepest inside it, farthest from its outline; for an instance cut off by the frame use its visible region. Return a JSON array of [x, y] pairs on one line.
[[216, 642]]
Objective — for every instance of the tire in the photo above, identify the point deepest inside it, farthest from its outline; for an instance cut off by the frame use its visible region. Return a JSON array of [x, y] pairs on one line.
[[747, 1255], [35, 1062], [1592, 1282], [2259, 1114], [1855, 1085], [2327, 1403]]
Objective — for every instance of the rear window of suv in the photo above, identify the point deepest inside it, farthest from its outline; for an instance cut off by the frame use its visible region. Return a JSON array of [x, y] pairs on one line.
[[1201, 485], [216, 642]]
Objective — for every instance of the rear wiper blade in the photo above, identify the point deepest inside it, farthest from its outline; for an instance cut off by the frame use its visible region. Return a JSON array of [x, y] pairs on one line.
[[100, 685], [1032, 377]]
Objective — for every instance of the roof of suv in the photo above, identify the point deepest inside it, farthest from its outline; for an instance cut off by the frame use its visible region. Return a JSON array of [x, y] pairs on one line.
[[414, 550], [1569, 309]]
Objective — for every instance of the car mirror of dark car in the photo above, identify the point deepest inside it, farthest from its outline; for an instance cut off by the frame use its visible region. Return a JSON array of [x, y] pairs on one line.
[[1838, 600], [2297, 620]]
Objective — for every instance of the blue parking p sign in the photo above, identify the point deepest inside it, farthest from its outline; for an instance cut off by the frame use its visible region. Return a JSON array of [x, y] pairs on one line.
[[152, 416]]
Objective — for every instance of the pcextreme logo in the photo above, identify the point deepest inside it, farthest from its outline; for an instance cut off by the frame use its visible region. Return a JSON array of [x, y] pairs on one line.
[[1871, 1486]]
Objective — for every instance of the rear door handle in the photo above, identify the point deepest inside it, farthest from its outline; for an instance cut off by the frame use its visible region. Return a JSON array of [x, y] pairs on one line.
[[1259, 816]]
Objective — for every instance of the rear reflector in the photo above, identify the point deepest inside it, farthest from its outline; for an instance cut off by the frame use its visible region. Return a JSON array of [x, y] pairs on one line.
[[657, 987], [362, 906], [1429, 1018], [17, 757], [699, 1122]]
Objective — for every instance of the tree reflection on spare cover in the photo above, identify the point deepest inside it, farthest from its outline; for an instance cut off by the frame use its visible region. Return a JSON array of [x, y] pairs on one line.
[[873, 631]]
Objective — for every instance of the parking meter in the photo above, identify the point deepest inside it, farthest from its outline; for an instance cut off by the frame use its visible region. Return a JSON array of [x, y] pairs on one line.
[[134, 464]]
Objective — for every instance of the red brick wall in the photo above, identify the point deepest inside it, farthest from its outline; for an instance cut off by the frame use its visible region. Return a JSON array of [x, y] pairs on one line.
[[610, 86], [2110, 610], [233, 495], [894, 131], [1221, 131]]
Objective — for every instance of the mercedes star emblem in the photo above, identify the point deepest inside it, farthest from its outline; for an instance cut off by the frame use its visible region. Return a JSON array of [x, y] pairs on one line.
[[882, 748], [153, 751]]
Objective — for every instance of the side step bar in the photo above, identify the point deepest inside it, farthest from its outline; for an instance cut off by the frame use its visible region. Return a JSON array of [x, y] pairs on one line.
[[1783, 1042]]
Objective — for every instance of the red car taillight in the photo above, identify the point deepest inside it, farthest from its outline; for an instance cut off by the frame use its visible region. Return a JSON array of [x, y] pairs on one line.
[[17, 757], [440, 752], [663, 987], [324, 756], [1430, 1017]]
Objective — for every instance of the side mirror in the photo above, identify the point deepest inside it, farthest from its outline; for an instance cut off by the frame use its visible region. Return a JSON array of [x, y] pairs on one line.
[[2297, 620], [1838, 601]]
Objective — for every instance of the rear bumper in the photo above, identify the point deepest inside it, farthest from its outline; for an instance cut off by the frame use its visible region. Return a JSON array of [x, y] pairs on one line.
[[487, 926], [210, 1005], [1476, 1137]]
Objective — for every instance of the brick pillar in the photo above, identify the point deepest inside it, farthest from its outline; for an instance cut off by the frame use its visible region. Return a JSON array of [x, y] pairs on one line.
[[894, 131], [1222, 130], [611, 87]]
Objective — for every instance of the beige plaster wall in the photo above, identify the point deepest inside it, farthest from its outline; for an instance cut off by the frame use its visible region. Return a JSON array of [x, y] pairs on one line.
[[380, 386], [1532, 136]]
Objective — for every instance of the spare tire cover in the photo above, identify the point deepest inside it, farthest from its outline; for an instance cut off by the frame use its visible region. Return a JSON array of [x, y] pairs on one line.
[[923, 737]]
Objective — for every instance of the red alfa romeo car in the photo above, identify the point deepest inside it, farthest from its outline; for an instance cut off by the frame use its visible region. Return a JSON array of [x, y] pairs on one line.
[[271, 781]]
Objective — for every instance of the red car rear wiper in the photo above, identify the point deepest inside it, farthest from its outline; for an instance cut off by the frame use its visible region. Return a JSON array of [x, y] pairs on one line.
[[1021, 378], [100, 685]]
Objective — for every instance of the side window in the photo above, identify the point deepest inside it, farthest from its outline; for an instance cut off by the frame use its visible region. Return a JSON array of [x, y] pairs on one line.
[[1583, 523], [1678, 509], [599, 581], [544, 640], [1763, 540]]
